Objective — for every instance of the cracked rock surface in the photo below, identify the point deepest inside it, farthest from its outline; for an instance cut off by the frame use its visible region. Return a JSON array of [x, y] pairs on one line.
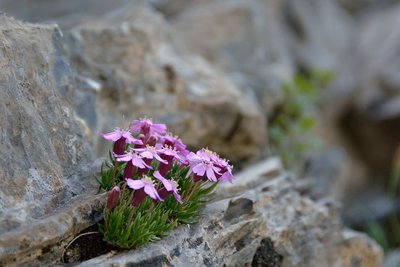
[[45, 157], [260, 221]]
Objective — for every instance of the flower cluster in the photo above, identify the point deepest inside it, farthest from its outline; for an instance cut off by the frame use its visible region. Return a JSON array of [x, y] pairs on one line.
[[155, 169]]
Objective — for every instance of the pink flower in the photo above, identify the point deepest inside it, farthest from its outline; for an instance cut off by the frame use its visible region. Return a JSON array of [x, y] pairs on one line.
[[174, 142], [169, 155], [147, 184], [149, 152], [121, 138], [118, 134], [133, 161], [201, 164], [148, 128], [172, 154], [112, 197], [134, 158], [169, 185], [226, 169]]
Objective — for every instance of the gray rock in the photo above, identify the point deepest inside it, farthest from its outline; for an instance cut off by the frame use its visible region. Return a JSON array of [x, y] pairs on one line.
[[259, 221], [130, 56], [370, 117], [42, 242], [45, 156], [65, 13], [244, 38], [360, 7], [392, 259]]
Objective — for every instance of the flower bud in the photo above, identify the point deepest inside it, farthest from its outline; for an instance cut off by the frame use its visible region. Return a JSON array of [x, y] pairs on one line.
[[163, 193], [138, 197], [163, 168], [152, 141], [141, 137], [119, 146], [112, 197], [197, 178], [129, 170]]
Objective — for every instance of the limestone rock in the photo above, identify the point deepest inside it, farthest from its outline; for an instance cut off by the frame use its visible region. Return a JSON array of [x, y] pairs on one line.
[[245, 39], [42, 243], [260, 221], [140, 73], [369, 121], [65, 13], [357, 249], [44, 153], [360, 7]]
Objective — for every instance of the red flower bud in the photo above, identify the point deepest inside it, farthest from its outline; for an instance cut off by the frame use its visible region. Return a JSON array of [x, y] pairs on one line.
[[119, 146], [112, 197], [152, 140], [129, 170], [138, 197]]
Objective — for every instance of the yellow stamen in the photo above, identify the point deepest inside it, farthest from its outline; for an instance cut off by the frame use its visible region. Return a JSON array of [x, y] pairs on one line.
[[148, 179]]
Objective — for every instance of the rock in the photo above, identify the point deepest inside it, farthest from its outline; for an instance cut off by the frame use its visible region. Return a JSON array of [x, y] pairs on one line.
[[360, 110], [323, 176], [392, 259], [360, 7], [316, 41], [266, 223], [65, 13], [357, 249], [46, 169], [243, 38], [140, 73], [45, 157], [43, 242], [369, 120]]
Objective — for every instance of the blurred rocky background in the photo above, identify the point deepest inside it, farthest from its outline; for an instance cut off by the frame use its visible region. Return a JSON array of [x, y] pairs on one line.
[[316, 82]]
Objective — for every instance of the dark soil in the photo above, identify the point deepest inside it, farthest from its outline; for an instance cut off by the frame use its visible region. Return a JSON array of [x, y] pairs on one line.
[[88, 244]]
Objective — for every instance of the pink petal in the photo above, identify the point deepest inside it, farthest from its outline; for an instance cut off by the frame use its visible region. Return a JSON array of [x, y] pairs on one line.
[[131, 140], [199, 169], [136, 125], [159, 127], [165, 182], [168, 185], [138, 162], [160, 159], [211, 174], [215, 169], [126, 157], [227, 176], [192, 157], [113, 136], [158, 176], [135, 184], [178, 197], [151, 192], [146, 154]]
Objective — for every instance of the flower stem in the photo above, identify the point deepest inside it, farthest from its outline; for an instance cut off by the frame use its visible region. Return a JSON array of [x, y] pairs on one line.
[[133, 209], [194, 188], [122, 196]]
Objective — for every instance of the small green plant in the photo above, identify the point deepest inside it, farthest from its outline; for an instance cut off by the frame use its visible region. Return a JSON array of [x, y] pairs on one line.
[[294, 118], [154, 184]]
